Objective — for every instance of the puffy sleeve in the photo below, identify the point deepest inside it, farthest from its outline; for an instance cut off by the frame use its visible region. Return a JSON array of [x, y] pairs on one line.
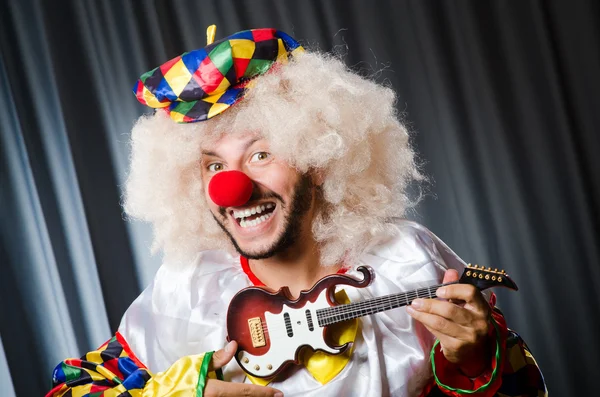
[[512, 371], [114, 370]]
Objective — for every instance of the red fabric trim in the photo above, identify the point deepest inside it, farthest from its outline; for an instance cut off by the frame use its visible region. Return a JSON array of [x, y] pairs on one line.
[[450, 375], [128, 350], [256, 281], [249, 273], [57, 390], [113, 366]]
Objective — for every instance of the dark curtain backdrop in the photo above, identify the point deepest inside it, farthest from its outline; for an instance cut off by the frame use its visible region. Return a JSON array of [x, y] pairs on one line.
[[501, 96]]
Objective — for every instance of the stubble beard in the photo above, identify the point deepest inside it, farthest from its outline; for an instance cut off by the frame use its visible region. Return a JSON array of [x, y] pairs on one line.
[[300, 205]]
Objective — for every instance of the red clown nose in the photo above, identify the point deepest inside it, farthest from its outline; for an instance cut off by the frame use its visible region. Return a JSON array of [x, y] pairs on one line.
[[230, 189]]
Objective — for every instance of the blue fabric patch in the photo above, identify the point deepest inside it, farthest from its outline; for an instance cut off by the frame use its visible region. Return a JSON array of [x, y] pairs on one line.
[[193, 59], [230, 96], [58, 376], [163, 91], [246, 34], [137, 380], [127, 366]]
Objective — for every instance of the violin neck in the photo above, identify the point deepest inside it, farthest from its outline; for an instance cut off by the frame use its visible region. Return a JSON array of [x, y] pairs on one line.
[[339, 313]]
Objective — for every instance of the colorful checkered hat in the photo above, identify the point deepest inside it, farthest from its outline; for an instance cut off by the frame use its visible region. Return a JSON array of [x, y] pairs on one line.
[[200, 84]]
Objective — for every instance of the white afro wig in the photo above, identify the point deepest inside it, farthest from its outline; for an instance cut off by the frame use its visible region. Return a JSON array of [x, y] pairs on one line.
[[318, 116]]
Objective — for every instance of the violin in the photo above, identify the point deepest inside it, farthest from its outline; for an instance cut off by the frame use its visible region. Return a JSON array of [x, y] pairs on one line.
[[271, 327]]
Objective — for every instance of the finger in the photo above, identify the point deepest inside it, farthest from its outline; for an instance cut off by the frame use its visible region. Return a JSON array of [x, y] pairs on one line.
[[450, 276], [439, 326], [223, 356], [441, 308], [227, 389], [464, 292]]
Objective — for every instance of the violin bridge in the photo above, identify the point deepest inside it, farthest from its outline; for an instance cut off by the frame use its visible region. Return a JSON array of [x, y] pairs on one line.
[[256, 332]]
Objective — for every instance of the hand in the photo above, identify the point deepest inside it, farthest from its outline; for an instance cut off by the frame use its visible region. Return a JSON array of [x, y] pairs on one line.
[[217, 388], [461, 324]]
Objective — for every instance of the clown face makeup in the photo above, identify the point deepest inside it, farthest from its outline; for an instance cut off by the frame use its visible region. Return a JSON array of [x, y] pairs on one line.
[[278, 212]]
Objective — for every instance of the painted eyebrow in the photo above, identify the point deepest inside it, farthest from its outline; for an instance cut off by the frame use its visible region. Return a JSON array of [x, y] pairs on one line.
[[246, 146]]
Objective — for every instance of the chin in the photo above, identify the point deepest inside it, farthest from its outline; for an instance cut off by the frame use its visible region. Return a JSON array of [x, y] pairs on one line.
[[257, 248]]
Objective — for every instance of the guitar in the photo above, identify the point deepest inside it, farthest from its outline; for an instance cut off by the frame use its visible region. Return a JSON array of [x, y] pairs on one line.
[[271, 328]]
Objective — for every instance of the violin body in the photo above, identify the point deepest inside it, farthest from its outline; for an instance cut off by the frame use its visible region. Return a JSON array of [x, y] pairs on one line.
[[271, 327]]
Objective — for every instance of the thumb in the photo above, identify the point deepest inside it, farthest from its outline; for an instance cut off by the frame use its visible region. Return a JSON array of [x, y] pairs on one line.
[[223, 356], [450, 275]]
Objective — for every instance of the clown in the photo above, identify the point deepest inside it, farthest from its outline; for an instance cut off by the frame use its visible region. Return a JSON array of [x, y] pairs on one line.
[[266, 165]]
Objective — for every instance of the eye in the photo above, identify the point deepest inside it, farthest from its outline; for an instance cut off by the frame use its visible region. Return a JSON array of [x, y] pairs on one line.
[[215, 167], [259, 156]]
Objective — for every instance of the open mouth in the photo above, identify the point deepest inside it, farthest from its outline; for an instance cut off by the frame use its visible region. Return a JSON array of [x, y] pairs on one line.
[[253, 216]]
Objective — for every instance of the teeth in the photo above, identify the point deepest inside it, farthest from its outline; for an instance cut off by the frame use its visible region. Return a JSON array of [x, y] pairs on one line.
[[254, 222], [252, 211]]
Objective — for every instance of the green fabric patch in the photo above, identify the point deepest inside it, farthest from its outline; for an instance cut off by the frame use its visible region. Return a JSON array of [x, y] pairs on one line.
[[203, 374], [145, 76], [184, 107], [71, 373], [221, 57], [257, 66]]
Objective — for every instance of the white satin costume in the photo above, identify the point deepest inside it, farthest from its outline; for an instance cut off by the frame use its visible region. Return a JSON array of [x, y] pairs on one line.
[[184, 313]]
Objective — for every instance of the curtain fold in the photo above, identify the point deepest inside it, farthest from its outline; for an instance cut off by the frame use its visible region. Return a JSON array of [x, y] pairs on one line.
[[7, 387], [501, 98]]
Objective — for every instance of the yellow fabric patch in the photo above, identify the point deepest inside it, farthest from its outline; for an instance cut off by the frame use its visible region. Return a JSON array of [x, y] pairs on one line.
[[213, 98], [216, 109], [94, 357], [178, 77], [323, 366], [223, 85], [151, 99], [82, 391], [101, 373], [242, 48], [179, 380], [298, 51], [282, 56], [119, 391], [259, 381], [177, 117], [516, 359]]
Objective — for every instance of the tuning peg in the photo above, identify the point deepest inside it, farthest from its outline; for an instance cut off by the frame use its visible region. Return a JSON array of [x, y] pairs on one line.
[[489, 268], [496, 270], [476, 266]]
